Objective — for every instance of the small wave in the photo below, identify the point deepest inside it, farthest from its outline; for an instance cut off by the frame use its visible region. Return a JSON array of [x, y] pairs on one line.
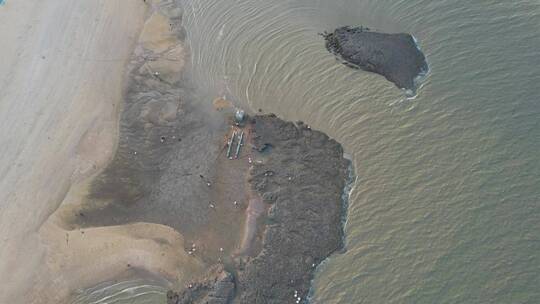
[[126, 292], [350, 182], [419, 79]]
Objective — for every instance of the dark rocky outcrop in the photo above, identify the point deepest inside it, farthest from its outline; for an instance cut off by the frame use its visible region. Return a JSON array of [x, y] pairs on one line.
[[216, 288], [301, 180], [304, 222], [395, 56]]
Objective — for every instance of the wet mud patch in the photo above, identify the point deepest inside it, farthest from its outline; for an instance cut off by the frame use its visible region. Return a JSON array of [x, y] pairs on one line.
[[168, 168], [302, 179]]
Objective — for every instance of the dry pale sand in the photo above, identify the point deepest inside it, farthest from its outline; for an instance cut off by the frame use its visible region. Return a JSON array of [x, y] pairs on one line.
[[62, 73], [81, 258]]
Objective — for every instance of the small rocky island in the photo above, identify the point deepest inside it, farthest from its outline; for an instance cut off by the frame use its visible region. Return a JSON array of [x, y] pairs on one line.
[[394, 56]]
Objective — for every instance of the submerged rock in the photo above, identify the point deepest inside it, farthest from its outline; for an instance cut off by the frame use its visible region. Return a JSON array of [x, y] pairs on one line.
[[395, 56]]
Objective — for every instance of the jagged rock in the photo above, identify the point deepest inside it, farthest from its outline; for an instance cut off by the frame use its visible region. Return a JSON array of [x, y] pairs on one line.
[[395, 56], [216, 288], [305, 218]]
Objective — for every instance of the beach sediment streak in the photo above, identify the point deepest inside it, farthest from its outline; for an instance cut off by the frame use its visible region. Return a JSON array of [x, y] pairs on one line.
[[103, 230]]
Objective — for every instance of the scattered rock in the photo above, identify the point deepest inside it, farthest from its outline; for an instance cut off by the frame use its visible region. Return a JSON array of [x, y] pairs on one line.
[[216, 288]]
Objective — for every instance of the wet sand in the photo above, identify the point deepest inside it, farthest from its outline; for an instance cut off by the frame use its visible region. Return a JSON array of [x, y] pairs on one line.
[[169, 175], [111, 224]]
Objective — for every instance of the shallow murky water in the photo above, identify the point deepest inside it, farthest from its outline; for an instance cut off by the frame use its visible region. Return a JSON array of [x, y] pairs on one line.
[[131, 291]]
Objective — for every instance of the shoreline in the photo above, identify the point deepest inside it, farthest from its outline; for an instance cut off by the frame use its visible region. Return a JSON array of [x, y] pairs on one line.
[[135, 246], [301, 176], [166, 201], [347, 190]]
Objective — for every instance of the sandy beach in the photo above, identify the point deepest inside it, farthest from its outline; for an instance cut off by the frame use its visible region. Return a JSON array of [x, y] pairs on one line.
[[61, 73]]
